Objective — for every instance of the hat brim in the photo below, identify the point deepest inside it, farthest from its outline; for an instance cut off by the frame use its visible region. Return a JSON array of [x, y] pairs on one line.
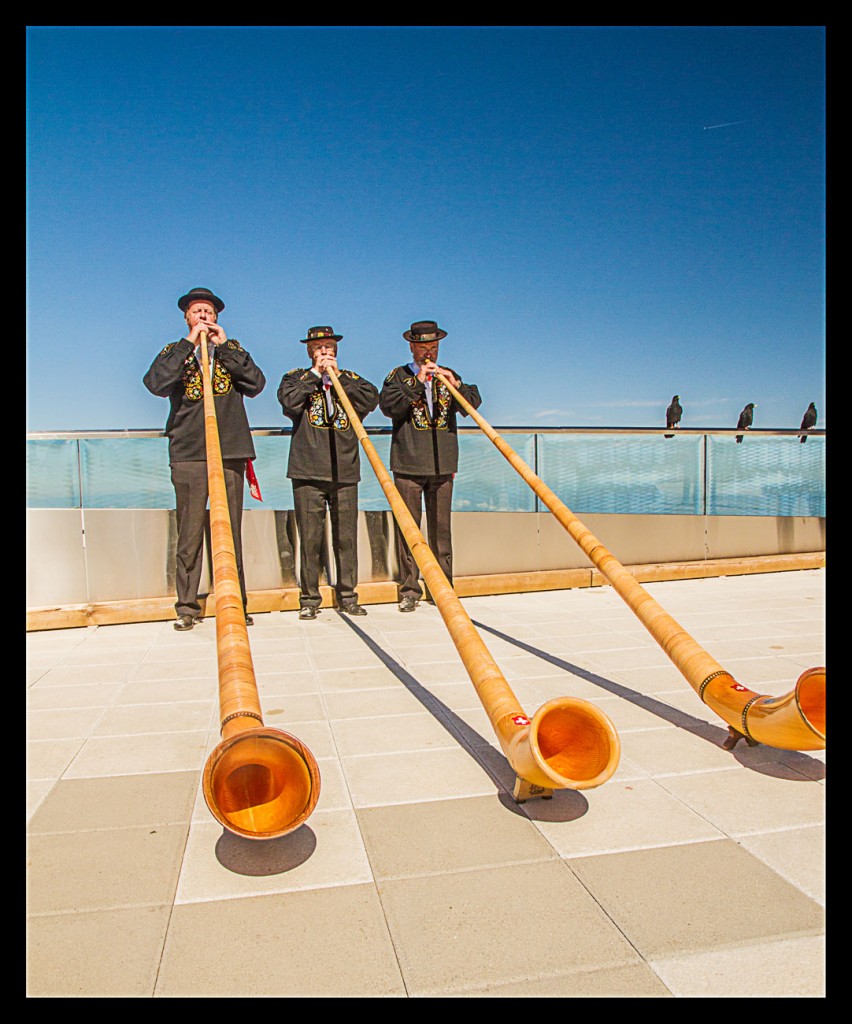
[[325, 337], [415, 339], [185, 301]]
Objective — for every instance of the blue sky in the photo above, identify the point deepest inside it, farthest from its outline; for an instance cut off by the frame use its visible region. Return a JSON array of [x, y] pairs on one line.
[[599, 217]]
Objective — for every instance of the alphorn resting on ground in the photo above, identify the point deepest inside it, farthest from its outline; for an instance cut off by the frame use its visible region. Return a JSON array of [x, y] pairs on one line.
[[569, 743], [258, 782], [795, 721]]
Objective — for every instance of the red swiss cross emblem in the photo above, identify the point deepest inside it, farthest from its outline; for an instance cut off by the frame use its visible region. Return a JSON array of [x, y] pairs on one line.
[[520, 720]]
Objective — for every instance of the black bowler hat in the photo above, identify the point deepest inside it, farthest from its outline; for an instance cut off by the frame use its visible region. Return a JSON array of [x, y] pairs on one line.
[[321, 334], [424, 330], [200, 295]]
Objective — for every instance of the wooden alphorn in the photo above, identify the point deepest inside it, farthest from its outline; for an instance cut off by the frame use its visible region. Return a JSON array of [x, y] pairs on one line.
[[569, 743], [258, 782], [795, 721]]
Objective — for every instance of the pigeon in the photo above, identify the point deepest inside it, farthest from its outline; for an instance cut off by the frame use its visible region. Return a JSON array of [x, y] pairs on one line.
[[673, 414], [745, 421], [808, 420]]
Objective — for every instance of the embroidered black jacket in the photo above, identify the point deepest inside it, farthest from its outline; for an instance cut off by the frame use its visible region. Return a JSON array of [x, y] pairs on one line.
[[324, 445], [423, 444], [176, 374]]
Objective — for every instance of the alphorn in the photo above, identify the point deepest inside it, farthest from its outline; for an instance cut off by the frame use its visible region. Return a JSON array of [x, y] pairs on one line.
[[569, 743], [258, 782], [795, 721]]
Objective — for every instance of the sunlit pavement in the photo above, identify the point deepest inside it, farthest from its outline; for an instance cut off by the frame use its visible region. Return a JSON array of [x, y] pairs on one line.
[[693, 871]]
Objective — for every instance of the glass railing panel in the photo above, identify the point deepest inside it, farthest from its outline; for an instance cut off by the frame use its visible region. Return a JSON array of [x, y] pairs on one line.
[[765, 476], [53, 479], [622, 474], [486, 481], [126, 472]]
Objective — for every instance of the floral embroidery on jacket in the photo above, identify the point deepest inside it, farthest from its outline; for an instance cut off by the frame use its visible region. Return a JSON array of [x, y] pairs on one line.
[[440, 408], [222, 383]]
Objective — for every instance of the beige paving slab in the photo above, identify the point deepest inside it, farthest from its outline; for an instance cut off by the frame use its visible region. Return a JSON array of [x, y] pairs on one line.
[[279, 709], [797, 854], [296, 944], [75, 675], [774, 970], [449, 835], [163, 691], [377, 702], [674, 900], [76, 805], [635, 981], [103, 869], [273, 684], [48, 759], [450, 929], [173, 670], [625, 813], [88, 695], [327, 850], [675, 751], [391, 734], [36, 793], [366, 677], [176, 716], [63, 723], [398, 778], [106, 953], [746, 801], [130, 755]]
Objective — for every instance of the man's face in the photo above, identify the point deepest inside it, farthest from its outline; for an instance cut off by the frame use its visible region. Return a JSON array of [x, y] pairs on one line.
[[424, 351], [200, 310], [321, 347]]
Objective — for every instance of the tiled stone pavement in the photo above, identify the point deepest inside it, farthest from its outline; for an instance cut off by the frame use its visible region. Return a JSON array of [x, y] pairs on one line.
[[692, 872]]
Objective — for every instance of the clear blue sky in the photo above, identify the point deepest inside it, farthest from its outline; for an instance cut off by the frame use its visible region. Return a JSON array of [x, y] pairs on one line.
[[601, 218]]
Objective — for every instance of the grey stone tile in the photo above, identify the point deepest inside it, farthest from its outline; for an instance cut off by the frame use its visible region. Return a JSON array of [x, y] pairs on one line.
[[77, 805], [510, 921], [697, 897], [106, 953], [104, 869], [299, 944], [449, 835]]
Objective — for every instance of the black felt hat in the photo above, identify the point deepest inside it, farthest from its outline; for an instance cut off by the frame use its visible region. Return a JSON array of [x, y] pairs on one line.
[[424, 330], [321, 334], [200, 295]]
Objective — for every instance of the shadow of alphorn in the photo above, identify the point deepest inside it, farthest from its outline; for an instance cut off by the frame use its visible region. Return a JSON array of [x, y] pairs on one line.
[[569, 743], [258, 782], [795, 721]]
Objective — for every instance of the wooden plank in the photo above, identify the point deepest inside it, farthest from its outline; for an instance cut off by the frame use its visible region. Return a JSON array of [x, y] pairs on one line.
[[161, 609]]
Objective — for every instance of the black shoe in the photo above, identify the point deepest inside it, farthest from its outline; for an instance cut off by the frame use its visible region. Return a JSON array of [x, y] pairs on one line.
[[184, 622], [353, 608], [408, 603], [308, 612], [249, 620]]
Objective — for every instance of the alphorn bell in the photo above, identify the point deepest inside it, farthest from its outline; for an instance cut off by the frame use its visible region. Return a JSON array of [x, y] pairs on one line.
[[569, 743], [795, 721], [258, 782]]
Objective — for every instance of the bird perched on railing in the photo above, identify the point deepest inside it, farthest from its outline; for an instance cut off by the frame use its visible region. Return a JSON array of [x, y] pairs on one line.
[[745, 421], [673, 414], [808, 420]]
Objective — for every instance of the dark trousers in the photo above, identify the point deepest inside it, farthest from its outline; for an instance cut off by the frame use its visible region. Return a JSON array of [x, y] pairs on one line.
[[190, 484], [311, 497], [437, 492]]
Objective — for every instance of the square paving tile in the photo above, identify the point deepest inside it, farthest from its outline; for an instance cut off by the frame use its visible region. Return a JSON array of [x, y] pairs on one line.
[[327, 850], [128, 755], [772, 970], [107, 953], [399, 779], [675, 900], [296, 944], [449, 835], [76, 805], [496, 925], [104, 869]]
